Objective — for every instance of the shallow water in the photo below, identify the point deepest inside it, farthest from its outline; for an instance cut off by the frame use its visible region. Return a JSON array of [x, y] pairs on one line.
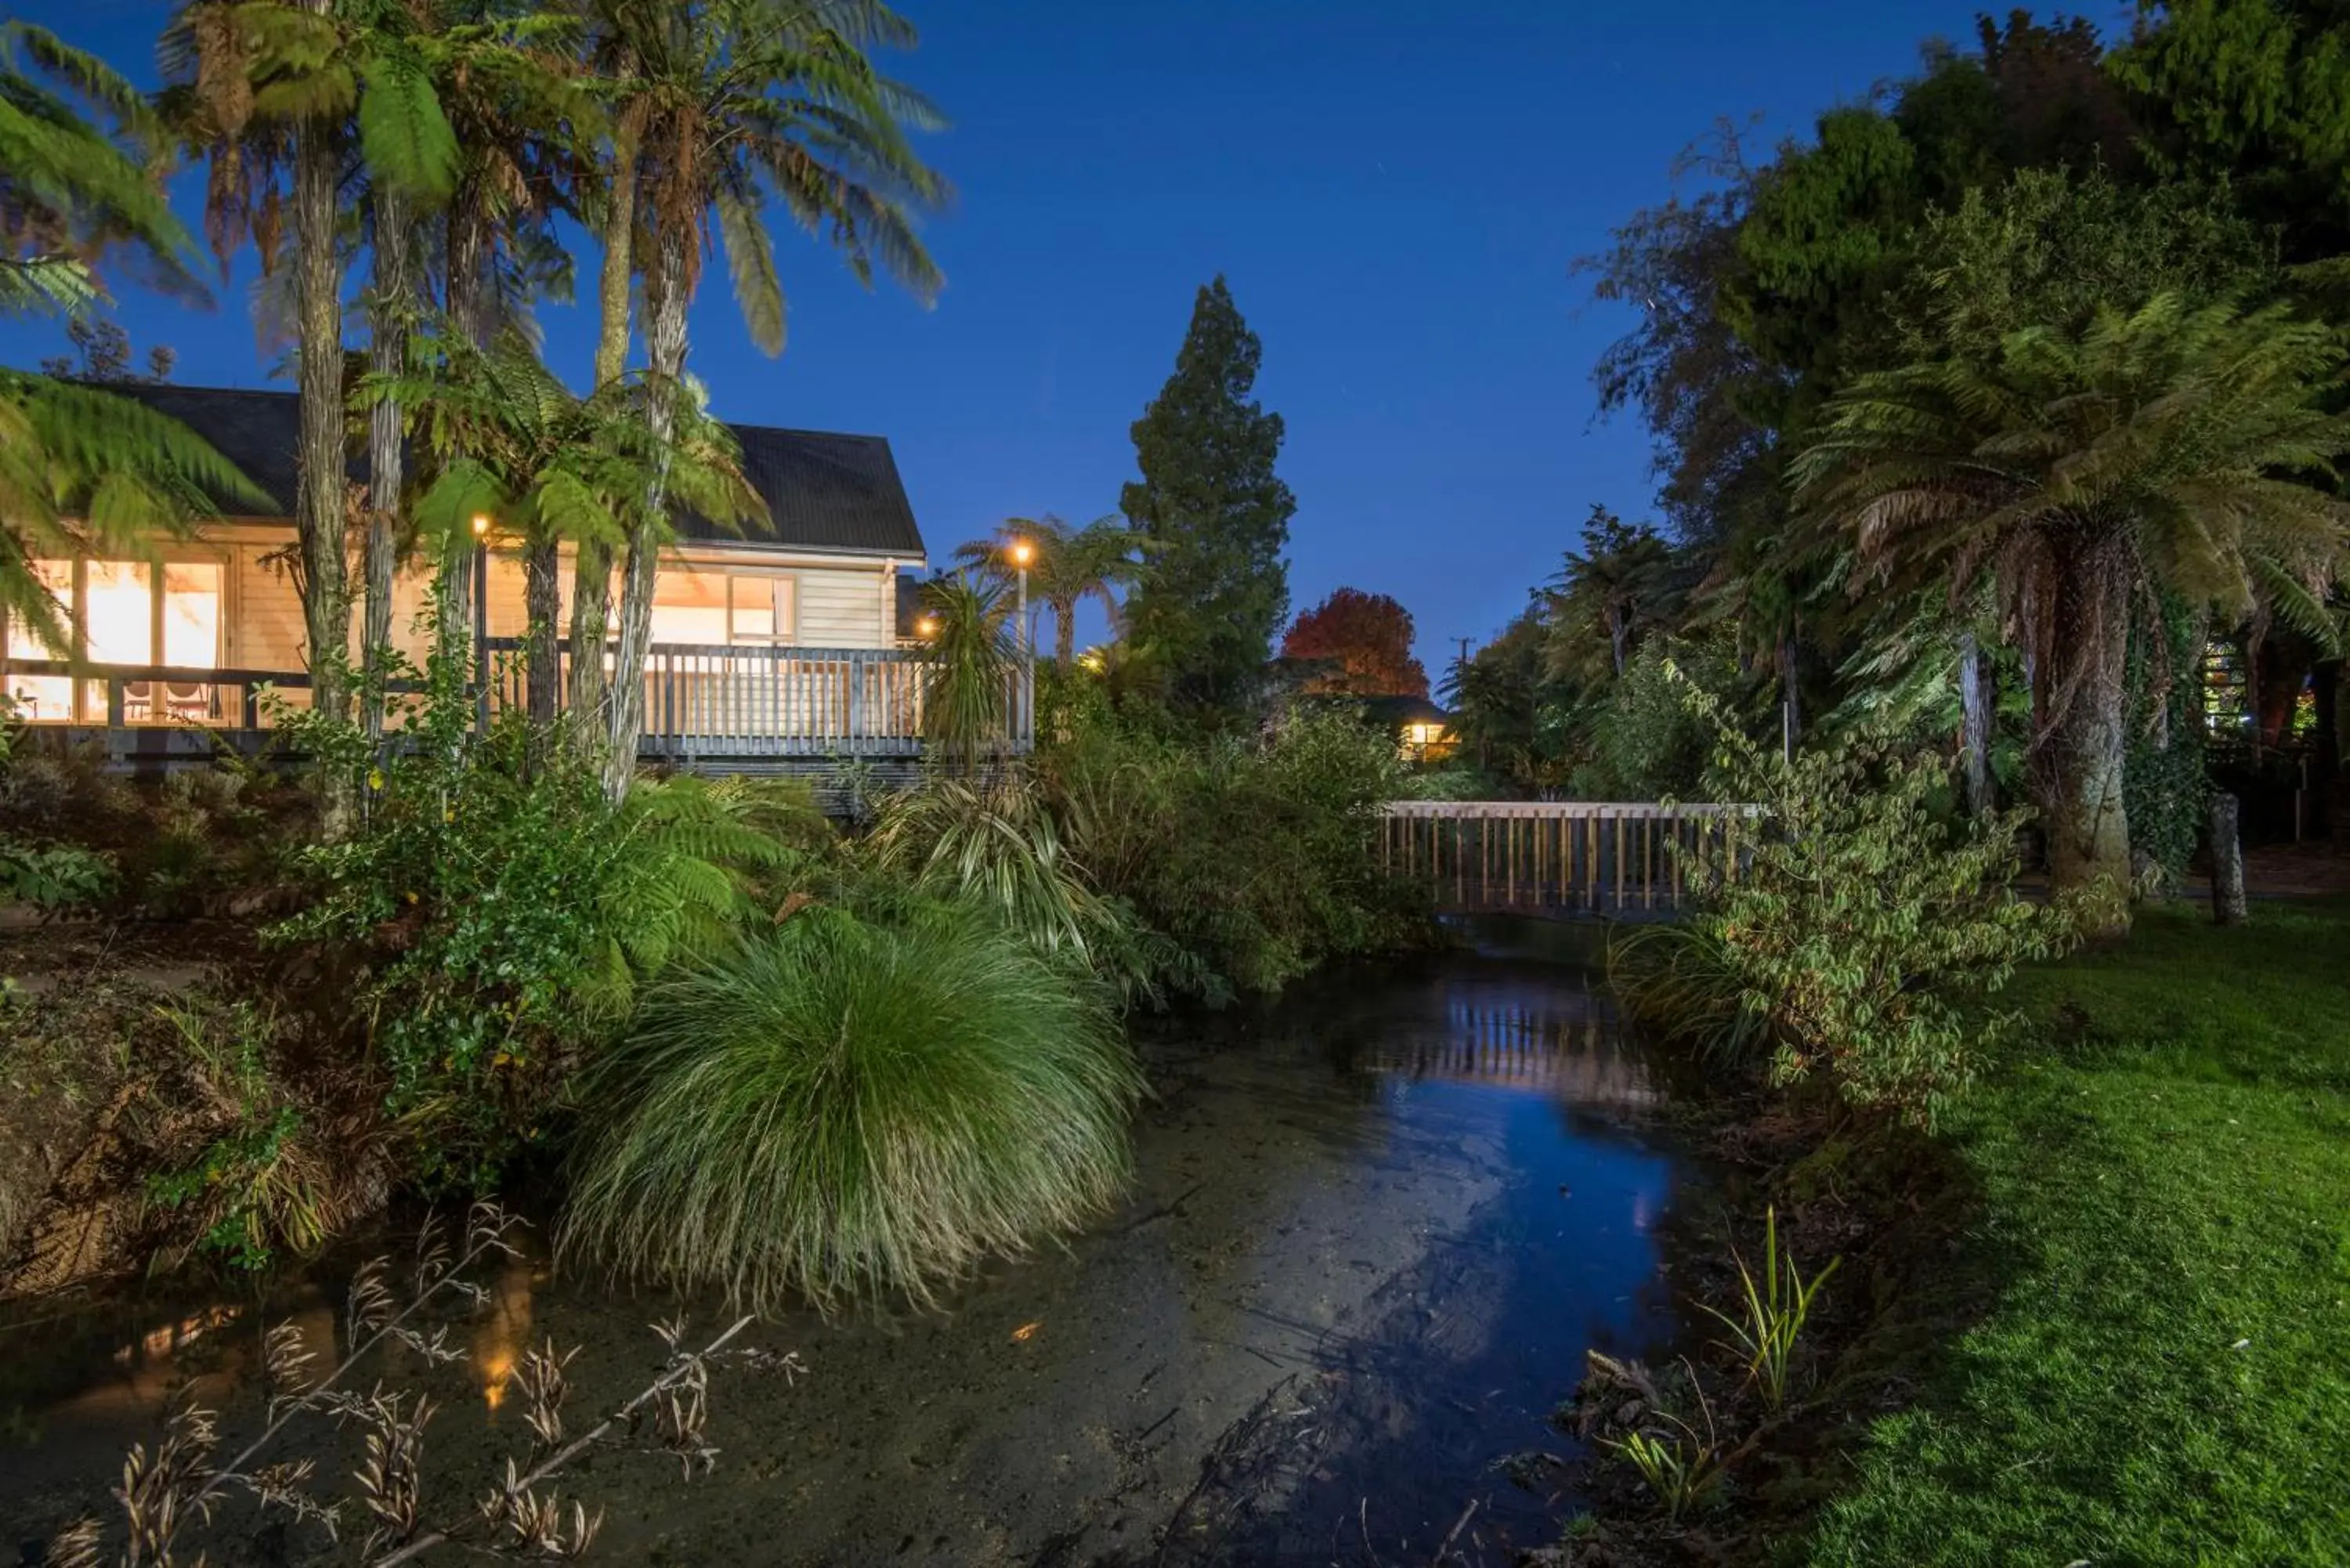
[[1373, 1232]]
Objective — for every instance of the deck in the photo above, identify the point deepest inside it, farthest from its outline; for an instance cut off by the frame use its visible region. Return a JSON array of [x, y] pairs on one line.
[[717, 709]]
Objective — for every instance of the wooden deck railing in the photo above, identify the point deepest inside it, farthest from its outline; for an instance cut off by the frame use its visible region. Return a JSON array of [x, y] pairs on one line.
[[712, 701], [1560, 857], [721, 701]]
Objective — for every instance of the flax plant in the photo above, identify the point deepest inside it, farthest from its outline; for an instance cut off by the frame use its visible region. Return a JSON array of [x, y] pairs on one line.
[[1772, 1312]]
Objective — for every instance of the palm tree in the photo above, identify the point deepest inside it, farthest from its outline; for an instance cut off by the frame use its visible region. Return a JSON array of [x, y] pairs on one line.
[[1620, 583], [71, 193], [969, 661], [2082, 473], [81, 470], [1066, 566], [509, 440], [748, 104]]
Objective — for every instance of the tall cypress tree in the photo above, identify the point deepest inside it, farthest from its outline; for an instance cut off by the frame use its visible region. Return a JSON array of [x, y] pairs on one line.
[[1213, 514]]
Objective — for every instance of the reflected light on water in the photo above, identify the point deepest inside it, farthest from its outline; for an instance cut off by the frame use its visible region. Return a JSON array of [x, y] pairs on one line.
[[1575, 1053], [503, 1332]]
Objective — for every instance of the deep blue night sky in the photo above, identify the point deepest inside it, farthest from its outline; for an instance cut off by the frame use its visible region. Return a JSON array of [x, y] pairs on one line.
[[1396, 191]]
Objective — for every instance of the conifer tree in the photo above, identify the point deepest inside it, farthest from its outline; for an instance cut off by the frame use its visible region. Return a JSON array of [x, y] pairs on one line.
[[1212, 515]]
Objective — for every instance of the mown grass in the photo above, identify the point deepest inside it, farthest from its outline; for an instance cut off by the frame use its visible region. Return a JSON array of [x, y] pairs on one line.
[[2164, 1376]]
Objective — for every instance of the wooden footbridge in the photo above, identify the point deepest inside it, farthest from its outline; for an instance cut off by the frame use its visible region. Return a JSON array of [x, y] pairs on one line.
[[1561, 857]]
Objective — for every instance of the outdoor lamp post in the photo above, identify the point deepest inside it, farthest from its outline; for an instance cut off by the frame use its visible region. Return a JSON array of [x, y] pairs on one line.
[[1023, 552], [482, 621]]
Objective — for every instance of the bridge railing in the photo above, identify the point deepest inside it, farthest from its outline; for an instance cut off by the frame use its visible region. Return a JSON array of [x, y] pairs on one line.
[[1620, 858]]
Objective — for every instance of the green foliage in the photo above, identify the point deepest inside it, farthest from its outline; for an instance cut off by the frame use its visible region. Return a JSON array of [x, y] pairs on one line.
[[2145, 1293], [499, 914], [2254, 90], [257, 1185], [54, 879], [1257, 859], [1067, 566], [971, 664], [1613, 593], [1683, 1471], [1773, 1312], [1859, 929], [75, 192], [511, 441], [2165, 779], [1212, 515], [842, 1110], [83, 470], [2049, 248], [1645, 743], [996, 844]]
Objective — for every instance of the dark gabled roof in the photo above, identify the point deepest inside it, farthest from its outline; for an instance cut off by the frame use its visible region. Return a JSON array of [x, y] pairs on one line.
[[823, 492]]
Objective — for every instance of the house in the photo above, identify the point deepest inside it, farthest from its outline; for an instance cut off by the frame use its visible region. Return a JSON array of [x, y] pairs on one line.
[[1423, 731], [788, 640]]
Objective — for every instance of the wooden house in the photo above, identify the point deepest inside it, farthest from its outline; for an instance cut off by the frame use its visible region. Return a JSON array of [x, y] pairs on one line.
[[787, 641]]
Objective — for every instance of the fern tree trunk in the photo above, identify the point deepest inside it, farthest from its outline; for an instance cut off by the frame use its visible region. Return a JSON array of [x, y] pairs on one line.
[[591, 583], [1064, 634], [2084, 740], [467, 241], [665, 343], [321, 505], [387, 355], [1975, 701]]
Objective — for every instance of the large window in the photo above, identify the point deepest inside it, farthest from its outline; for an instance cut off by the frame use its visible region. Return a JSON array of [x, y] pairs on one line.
[[128, 612], [711, 607], [43, 696]]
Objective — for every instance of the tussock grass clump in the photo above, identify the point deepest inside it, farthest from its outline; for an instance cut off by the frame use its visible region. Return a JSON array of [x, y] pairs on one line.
[[844, 1108]]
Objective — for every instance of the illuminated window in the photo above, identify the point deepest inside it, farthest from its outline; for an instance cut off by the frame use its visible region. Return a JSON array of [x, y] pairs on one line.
[[193, 614], [43, 696], [690, 606], [119, 618], [714, 607], [117, 614]]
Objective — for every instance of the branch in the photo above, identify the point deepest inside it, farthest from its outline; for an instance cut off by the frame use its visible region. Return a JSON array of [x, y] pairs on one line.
[[679, 1368]]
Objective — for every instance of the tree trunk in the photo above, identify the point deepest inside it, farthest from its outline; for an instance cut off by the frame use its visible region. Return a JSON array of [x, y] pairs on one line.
[[2081, 744], [387, 355], [321, 513], [1975, 703], [665, 304], [543, 659], [1064, 634], [591, 582], [2228, 904], [1617, 625], [463, 304], [1791, 690]]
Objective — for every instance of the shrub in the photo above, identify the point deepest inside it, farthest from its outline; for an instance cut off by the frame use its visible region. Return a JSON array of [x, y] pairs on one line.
[[841, 1108], [997, 844], [1858, 928], [1646, 742], [1257, 858], [495, 914]]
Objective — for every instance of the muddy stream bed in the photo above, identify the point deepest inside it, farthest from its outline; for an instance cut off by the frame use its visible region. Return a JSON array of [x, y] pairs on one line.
[[1372, 1233]]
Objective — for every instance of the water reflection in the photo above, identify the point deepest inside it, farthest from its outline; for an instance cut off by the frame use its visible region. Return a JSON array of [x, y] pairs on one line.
[[502, 1334], [1411, 1202]]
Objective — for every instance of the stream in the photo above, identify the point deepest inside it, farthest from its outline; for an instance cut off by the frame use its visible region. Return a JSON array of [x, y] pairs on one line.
[[1374, 1229]]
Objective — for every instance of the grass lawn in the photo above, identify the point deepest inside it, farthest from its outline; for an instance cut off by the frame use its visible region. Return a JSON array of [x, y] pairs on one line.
[[2165, 1375]]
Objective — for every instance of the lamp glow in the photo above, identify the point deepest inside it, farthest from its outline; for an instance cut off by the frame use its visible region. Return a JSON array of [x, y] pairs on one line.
[[480, 525], [926, 626], [1023, 552]]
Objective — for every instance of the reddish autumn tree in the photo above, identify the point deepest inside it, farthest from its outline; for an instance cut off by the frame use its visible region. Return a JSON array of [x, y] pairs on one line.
[[1368, 637]]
